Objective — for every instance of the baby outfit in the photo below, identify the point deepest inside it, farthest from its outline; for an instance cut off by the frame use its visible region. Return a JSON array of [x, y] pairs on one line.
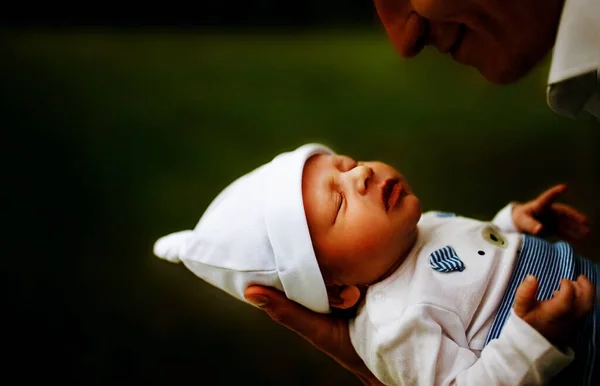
[[444, 316]]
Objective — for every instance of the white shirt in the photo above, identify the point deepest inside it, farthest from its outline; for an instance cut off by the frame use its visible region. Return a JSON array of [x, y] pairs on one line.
[[424, 327], [574, 80]]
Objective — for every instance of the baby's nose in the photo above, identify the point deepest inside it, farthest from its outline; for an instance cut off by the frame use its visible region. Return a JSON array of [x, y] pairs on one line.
[[360, 176]]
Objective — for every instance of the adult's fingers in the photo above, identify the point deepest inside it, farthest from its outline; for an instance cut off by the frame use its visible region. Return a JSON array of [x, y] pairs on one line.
[[326, 333], [310, 325]]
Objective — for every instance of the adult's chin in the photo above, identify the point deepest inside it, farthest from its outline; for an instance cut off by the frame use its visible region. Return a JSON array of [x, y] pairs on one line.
[[504, 77], [505, 70]]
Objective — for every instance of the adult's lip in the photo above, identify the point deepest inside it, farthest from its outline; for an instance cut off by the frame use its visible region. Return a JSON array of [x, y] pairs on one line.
[[391, 193], [459, 38]]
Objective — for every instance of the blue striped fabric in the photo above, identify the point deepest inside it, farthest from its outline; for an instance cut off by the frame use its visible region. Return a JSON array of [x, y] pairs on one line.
[[446, 260], [550, 263], [445, 214]]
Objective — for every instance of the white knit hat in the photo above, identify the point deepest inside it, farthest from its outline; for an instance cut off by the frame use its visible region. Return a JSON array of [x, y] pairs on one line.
[[255, 232]]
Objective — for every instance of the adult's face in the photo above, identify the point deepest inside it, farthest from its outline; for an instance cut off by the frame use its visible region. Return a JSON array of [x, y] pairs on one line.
[[503, 39]]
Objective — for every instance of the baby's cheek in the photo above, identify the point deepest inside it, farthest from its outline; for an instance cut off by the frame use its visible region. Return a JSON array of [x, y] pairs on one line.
[[366, 240], [346, 243]]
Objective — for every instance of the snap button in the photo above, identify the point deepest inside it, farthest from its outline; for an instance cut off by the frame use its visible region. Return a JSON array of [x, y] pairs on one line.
[[378, 296]]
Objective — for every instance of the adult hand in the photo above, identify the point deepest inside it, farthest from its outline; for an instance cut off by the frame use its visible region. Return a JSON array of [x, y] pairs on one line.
[[543, 215], [327, 333]]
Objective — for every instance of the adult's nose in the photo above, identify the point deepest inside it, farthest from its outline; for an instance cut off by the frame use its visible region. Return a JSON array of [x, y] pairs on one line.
[[407, 29]]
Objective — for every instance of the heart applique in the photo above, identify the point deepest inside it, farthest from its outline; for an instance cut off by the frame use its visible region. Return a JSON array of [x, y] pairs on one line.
[[446, 260]]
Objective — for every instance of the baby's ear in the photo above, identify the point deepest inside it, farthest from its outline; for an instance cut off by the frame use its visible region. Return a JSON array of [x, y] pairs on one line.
[[343, 296]]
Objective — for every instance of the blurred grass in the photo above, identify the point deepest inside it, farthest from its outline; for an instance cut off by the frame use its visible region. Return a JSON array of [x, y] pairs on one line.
[[120, 137]]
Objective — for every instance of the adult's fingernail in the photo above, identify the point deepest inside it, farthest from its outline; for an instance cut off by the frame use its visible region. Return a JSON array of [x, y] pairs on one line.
[[259, 301]]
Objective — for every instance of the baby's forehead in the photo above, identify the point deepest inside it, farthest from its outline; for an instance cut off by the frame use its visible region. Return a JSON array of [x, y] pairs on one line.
[[316, 167], [321, 162], [333, 159], [319, 167]]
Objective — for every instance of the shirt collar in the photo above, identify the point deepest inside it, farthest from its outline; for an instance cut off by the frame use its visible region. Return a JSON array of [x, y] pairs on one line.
[[577, 48]]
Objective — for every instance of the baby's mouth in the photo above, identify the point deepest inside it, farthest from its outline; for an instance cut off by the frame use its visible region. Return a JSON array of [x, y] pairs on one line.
[[390, 194]]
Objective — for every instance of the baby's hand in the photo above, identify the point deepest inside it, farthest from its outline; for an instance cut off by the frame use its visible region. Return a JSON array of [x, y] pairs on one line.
[[555, 318], [543, 215]]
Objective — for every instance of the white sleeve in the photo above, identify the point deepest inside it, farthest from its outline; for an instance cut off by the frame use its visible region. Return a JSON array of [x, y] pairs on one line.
[[504, 220], [428, 347]]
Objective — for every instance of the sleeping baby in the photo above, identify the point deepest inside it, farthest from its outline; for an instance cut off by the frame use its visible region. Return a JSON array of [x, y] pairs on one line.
[[441, 299]]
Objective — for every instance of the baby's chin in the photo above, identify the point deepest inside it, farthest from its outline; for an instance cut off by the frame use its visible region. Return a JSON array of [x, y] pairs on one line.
[[412, 208], [420, 208]]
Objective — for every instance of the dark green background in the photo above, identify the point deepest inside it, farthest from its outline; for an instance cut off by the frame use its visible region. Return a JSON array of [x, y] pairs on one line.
[[115, 138]]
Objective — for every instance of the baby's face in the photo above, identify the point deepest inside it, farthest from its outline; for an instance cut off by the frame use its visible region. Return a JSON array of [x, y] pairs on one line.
[[361, 216]]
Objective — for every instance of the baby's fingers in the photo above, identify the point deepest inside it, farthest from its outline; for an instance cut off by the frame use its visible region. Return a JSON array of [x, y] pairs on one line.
[[563, 301], [528, 224], [525, 299], [544, 200], [566, 212], [570, 223], [584, 296]]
